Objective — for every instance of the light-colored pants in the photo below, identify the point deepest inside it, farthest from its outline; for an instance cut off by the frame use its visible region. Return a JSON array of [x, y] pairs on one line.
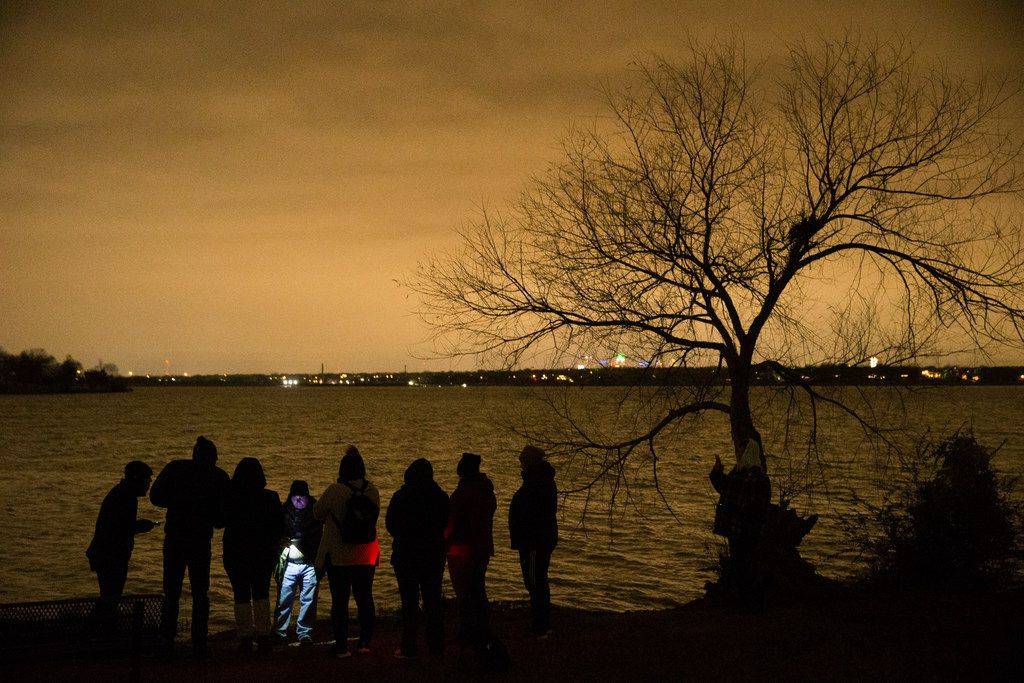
[[303, 575]]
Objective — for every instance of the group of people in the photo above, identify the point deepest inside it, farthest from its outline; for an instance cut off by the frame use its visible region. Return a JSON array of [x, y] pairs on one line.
[[335, 536]]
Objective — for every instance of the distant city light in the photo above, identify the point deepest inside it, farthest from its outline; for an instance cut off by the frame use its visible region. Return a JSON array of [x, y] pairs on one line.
[[289, 382], [873, 362]]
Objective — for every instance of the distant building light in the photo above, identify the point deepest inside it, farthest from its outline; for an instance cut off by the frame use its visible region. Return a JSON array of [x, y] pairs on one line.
[[873, 362], [412, 383], [464, 385], [581, 366]]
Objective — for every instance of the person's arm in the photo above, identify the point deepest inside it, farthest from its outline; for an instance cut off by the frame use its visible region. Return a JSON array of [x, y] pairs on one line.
[[324, 504], [452, 530], [223, 489], [276, 517], [515, 514], [717, 475], [391, 516], [159, 493]]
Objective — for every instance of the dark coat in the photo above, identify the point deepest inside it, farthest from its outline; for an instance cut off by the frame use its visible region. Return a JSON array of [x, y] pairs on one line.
[[302, 528], [416, 519], [533, 513], [193, 495], [471, 520], [116, 526], [253, 526]]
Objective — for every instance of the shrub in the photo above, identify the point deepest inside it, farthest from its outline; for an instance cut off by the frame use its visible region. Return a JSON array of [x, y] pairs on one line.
[[950, 519]]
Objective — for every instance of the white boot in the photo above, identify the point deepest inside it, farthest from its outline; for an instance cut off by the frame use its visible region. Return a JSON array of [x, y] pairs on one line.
[[243, 623]]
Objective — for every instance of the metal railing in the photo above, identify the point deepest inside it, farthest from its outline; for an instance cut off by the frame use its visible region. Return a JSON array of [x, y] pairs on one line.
[[74, 624]]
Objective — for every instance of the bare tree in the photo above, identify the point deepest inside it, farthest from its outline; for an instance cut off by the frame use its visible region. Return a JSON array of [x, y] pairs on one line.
[[855, 205]]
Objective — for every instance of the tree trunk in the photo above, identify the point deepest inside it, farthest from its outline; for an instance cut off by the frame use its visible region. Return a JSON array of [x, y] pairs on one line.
[[741, 422]]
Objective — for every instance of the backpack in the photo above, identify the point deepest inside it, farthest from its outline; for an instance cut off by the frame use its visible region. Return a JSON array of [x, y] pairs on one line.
[[359, 525]]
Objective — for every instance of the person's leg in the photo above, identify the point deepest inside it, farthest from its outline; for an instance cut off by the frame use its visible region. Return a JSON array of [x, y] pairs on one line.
[[285, 598], [408, 590], [307, 601], [542, 589], [261, 601], [111, 580], [483, 606], [199, 582], [463, 583], [528, 565], [362, 589], [174, 575], [433, 609], [340, 585], [238, 575]]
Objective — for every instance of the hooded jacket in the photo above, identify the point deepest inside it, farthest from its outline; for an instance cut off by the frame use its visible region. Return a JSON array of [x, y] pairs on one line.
[[116, 526], [193, 494], [330, 510], [533, 513], [253, 525], [470, 523], [417, 516], [300, 526]]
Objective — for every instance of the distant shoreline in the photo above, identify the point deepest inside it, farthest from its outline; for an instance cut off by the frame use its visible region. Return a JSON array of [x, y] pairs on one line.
[[608, 376], [35, 391]]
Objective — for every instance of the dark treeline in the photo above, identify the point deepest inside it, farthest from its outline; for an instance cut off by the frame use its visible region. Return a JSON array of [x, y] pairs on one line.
[[611, 376], [34, 371]]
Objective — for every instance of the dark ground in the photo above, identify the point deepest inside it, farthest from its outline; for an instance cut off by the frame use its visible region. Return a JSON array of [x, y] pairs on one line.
[[936, 636]]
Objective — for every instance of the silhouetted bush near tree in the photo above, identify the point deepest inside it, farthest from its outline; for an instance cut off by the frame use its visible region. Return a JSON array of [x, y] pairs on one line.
[[951, 520]]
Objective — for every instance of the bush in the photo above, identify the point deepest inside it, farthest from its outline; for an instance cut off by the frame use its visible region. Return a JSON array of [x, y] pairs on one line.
[[951, 519]]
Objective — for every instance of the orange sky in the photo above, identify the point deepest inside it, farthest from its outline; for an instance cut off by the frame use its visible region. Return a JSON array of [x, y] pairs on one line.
[[240, 190]]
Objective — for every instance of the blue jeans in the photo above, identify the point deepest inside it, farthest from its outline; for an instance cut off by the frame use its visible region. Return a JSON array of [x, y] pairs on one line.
[[297, 573]]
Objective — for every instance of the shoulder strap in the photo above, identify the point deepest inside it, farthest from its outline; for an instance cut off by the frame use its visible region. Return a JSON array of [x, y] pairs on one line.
[[361, 489]]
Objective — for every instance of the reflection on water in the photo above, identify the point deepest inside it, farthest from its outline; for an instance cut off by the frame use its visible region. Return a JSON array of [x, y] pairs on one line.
[[60, 454]]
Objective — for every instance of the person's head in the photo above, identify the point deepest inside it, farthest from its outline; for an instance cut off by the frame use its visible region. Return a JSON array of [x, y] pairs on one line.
[[249, 475], [204, 452], [531, 455], [420, 471], [351, 466], [298, 494], [469, 465], [138, 476]]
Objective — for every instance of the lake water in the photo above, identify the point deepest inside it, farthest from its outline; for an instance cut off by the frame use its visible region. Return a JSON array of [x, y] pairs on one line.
[[60, 454]]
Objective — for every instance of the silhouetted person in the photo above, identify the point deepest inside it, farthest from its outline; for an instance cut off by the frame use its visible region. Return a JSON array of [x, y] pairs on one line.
[[253, 526], [533, 530], [469, 542], [114, 538], [349, 550], [303, 533], [416, 519], [745, 493], [192, 491]]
